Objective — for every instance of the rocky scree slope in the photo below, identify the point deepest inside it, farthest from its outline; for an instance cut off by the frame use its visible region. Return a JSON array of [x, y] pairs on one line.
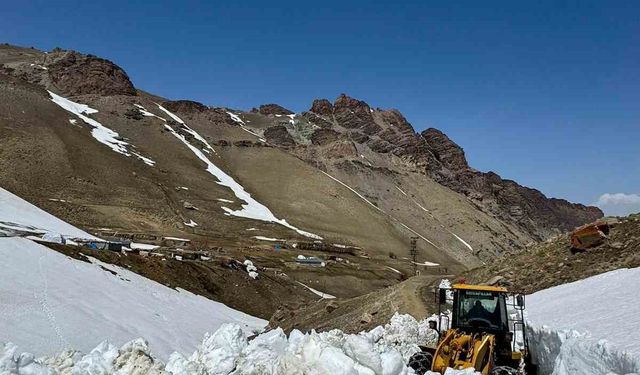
[[551, 263]]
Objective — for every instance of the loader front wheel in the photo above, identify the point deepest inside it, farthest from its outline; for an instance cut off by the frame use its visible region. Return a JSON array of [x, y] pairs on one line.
[[421, 362]]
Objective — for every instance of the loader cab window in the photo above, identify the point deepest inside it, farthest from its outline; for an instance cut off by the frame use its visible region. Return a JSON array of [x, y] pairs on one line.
[[480, 309]]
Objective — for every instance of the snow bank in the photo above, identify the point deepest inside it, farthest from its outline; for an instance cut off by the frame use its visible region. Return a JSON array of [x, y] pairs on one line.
[[569, 352], [50, 302], [251, 209], [100, 132], [382, 351], [588, 326]]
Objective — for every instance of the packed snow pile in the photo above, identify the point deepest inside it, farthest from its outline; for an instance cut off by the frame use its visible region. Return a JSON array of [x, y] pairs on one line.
[[384, 350], [251, 269], [589, 326]]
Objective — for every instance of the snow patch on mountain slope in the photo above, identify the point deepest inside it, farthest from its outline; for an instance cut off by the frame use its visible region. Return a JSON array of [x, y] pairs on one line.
[[242, 124], [194, 133], [100, 132], [191, 223], [317, 292], [381, 210], [235, 117], [146, 113], [400, 190], [393, 269], [251, 209], [353, 190], [589, 326], [51, 302], [463, 241], [263, 238], [425, 263]]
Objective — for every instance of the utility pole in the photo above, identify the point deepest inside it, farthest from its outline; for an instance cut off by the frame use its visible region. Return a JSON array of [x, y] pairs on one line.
[[414, 254]]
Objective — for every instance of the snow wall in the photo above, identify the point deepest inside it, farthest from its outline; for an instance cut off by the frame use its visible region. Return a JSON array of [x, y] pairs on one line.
[[573, 353], [588, 327]]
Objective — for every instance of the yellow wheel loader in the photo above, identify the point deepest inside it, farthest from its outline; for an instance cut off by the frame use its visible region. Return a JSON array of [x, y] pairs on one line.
[[486, 331]]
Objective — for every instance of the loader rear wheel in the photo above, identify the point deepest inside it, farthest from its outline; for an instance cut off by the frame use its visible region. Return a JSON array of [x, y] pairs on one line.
[[503, 370], [421, 362]]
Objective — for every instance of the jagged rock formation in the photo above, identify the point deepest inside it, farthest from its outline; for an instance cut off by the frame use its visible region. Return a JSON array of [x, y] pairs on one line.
[[71, 73], [322, 107], [388, 132], [506, 199], [323, 137], [273, 109], [278, 135], [187, 106]]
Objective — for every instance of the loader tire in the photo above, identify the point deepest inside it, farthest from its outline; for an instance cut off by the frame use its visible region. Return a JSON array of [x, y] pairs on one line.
[[504, 370], [421, 362]]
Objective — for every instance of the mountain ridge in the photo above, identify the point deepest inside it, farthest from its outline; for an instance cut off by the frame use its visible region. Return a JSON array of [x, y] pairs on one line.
[[446, 163], [409, 183]]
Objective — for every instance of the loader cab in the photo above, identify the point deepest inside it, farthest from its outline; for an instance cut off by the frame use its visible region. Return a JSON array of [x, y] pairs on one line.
[[479, 310]]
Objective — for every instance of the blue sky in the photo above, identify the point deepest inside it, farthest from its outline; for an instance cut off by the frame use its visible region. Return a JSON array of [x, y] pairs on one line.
[[545, 93]]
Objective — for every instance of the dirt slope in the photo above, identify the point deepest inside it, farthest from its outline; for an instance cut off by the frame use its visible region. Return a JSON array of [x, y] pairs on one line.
[[413, 296]]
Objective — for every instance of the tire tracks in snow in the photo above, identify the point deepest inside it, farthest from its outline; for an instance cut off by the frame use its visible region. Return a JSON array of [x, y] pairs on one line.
[[43, 299]]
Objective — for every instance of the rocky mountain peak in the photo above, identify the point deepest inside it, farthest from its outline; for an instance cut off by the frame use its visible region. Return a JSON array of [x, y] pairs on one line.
[[445, 150], [185, 106], [73, 73], [355, 114], [346, 102], [273, 109], [322, 107]]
